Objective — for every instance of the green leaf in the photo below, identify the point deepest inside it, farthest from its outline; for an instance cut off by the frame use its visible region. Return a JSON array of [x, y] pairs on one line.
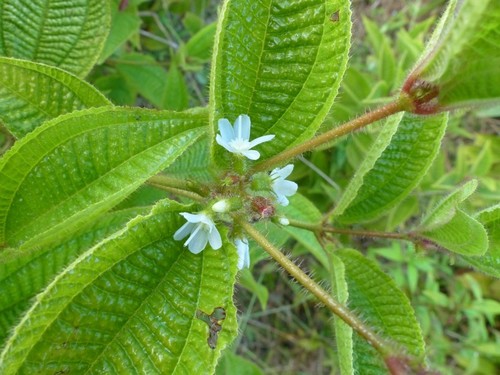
[[445, 210], [231, 364], [32, 93], [462, 234], [124, 24], [198, 49], [343, 332], [77, 166], [23, 274], [133, 303], [463, 55], [303, 210], [280, 62], [66, 34], [389, 178], [176, 93], [490, 262], [194, 164], [383, 307]]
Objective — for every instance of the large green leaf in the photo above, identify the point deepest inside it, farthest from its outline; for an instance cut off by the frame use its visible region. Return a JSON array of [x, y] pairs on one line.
[[134, 303], [463, 55], [31, 93], [23, 274], [66, 34], [384, 307], [280, 62], [396, 172], [75, 167]]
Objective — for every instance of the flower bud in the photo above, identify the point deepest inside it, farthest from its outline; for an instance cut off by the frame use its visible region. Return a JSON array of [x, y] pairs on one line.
[[221, 206], [284, 221], [263, 207]]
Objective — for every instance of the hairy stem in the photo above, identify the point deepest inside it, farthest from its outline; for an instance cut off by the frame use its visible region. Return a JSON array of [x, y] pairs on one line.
[[338, 309], [171, 185], [171, 182], [402, 103]]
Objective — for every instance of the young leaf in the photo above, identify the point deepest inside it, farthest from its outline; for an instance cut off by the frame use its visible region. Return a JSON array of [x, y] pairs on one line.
[[396, 172], [66, 34], [463, 54], [383, 306], [138, 302], [444, 211], [462, 235], [77, 166], [23, 274], [280, 62], [32, 93]]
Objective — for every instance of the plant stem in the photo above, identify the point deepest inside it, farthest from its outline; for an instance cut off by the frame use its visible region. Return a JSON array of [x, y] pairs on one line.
[[402, 103], [173, 186], [167, 181], [338, 309], [363, 233]]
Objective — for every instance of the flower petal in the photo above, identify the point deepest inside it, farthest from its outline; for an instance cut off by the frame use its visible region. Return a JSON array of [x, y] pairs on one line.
[[243, 253], [192, 218], [258, 141], [198, 241], [282, 200], [285, 187], [226, 130], [242, 127], [215, 239], [183, 231], [251, 154], [223, 143]]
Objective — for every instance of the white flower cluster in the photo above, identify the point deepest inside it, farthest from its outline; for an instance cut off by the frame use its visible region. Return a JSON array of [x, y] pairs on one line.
[[200, 227]]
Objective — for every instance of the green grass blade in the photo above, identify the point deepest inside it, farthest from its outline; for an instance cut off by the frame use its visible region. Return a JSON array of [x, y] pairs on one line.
[[32, 93], [280, 62], [66, 34], [396, 172], [23, 274], [130, 305], [77, 166]]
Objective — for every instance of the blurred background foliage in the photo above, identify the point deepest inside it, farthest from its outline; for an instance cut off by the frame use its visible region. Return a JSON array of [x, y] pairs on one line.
[[158, 56]]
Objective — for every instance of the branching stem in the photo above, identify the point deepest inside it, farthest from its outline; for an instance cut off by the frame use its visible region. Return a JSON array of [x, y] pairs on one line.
[[174, 186], [338, 309]]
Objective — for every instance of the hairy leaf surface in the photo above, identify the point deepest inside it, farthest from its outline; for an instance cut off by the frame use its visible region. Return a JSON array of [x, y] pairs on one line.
[[280, 62], [32, 93], [23, 274], [396, 172], [132, 303], [66, 34], [75, 167]]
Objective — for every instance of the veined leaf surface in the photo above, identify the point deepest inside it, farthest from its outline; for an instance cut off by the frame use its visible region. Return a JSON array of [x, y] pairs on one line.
[[79, 165], [280, 62], [66, 34], [130, 305], [31, 93]]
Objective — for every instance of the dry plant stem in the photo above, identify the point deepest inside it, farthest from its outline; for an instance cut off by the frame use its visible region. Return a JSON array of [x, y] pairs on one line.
[[402, 103], [338, 309]]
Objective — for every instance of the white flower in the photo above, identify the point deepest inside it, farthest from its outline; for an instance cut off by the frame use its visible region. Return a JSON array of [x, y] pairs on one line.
[[281, 187], [237, 139], [243, 253], [201, 229]]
